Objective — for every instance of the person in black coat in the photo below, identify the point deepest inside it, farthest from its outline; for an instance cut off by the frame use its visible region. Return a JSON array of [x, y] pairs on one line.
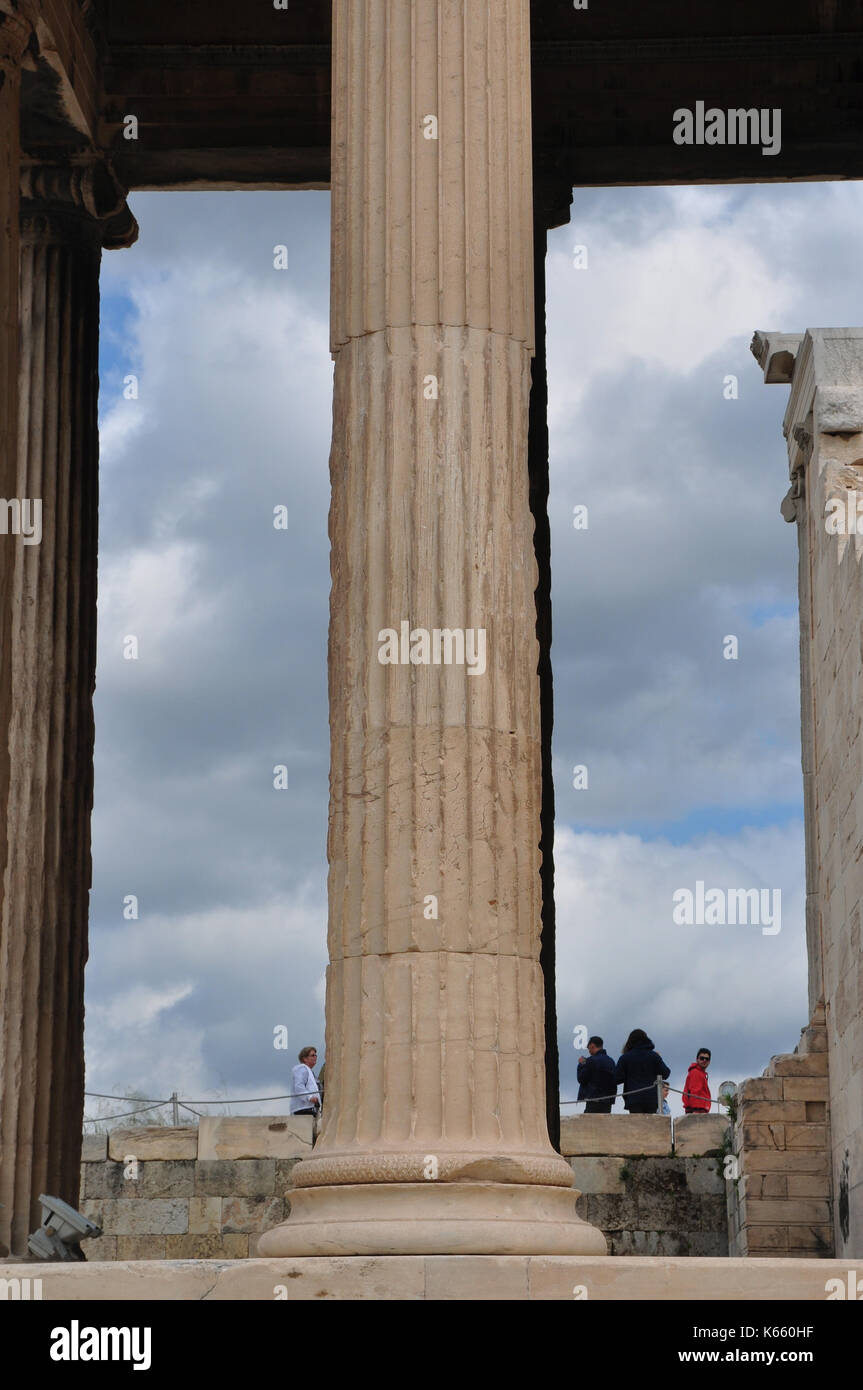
[[596, 1084], [637, 1070]]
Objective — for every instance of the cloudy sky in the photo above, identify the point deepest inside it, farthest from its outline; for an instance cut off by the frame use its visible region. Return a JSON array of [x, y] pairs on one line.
[[693, 760]]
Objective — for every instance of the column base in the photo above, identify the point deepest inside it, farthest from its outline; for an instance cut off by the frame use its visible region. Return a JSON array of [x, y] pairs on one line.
[[433, 1219]]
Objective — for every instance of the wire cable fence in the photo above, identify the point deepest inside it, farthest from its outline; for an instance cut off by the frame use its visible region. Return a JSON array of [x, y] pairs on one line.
[[147, 1104], [657, 1086]]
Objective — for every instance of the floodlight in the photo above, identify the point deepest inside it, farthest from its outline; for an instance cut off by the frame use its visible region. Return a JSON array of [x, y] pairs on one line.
[[62, 1230]]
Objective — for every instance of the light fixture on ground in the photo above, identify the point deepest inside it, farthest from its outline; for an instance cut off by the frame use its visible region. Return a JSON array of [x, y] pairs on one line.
[[61, 1232]]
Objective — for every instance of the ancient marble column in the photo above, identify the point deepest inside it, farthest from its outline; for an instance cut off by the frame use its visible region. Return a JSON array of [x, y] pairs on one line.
[[14, 37], [824, 430], [67, 214], [434, 1136]]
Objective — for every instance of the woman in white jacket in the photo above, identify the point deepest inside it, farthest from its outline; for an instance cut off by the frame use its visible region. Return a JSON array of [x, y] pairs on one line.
[[305, 1095]]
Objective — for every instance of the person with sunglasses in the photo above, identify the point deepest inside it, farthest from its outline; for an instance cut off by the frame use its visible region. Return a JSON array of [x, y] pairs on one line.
[[696, 1093]]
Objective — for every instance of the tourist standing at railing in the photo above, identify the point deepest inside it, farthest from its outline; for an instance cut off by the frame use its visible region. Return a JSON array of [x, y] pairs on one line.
[[305, 1096], [596, 1083], [637, 1070], [696, 1092]]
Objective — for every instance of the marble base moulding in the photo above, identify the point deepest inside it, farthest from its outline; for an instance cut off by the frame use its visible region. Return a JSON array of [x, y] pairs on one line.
[[476, 1218], [444, 1278]]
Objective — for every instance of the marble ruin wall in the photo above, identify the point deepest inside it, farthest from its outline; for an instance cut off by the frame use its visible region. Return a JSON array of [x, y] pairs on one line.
[[824, 429], [163, 1193]]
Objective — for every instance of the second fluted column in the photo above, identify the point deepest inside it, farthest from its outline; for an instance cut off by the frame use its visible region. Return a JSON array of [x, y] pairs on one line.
[[434, 1136]]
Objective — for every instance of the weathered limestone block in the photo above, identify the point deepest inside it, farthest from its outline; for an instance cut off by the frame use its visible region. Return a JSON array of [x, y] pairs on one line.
[[704, 1177], [106, 1180], [241, 1177], [712, 1212], [207, 1247], [101, 1248], [255, 1136], [653, 1243], [92, 1208], [776, 1112], [143, 1247], [166, 1178], [810, 1240], [754, 1160], [704, 1244], [205, 1216], [284, 1182], [760, 1135], [145, 1216], [610, 1212], [799, 1211], [807, 1185], [656, 1212], [618, 1134], [598, 1174], [761, 1088], [768, 1185], [806, 1137], [766, 1240], [807, 1088], [665, 1175], [251, 1215], [94, 1148], [699, 1134], [153, 1141], [507, 1282]]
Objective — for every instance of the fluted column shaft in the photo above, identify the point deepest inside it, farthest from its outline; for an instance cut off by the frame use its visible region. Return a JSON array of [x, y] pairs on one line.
[[53, 659], [14, 37], [434, 1129]]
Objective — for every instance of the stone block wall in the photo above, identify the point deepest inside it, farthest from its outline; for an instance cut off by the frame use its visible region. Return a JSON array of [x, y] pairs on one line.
[[782, 1201], [161, 1193], [653, 1187]]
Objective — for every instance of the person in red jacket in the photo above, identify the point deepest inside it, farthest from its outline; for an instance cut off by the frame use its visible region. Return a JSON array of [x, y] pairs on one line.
[[696, 1093]]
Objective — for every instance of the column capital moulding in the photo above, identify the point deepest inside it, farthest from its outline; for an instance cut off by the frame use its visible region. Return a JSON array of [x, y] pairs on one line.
[[82, 197], [823, 368]]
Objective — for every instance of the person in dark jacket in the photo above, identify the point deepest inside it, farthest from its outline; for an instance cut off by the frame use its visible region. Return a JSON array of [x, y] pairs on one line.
[[596, 1083], [637, 1070]]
